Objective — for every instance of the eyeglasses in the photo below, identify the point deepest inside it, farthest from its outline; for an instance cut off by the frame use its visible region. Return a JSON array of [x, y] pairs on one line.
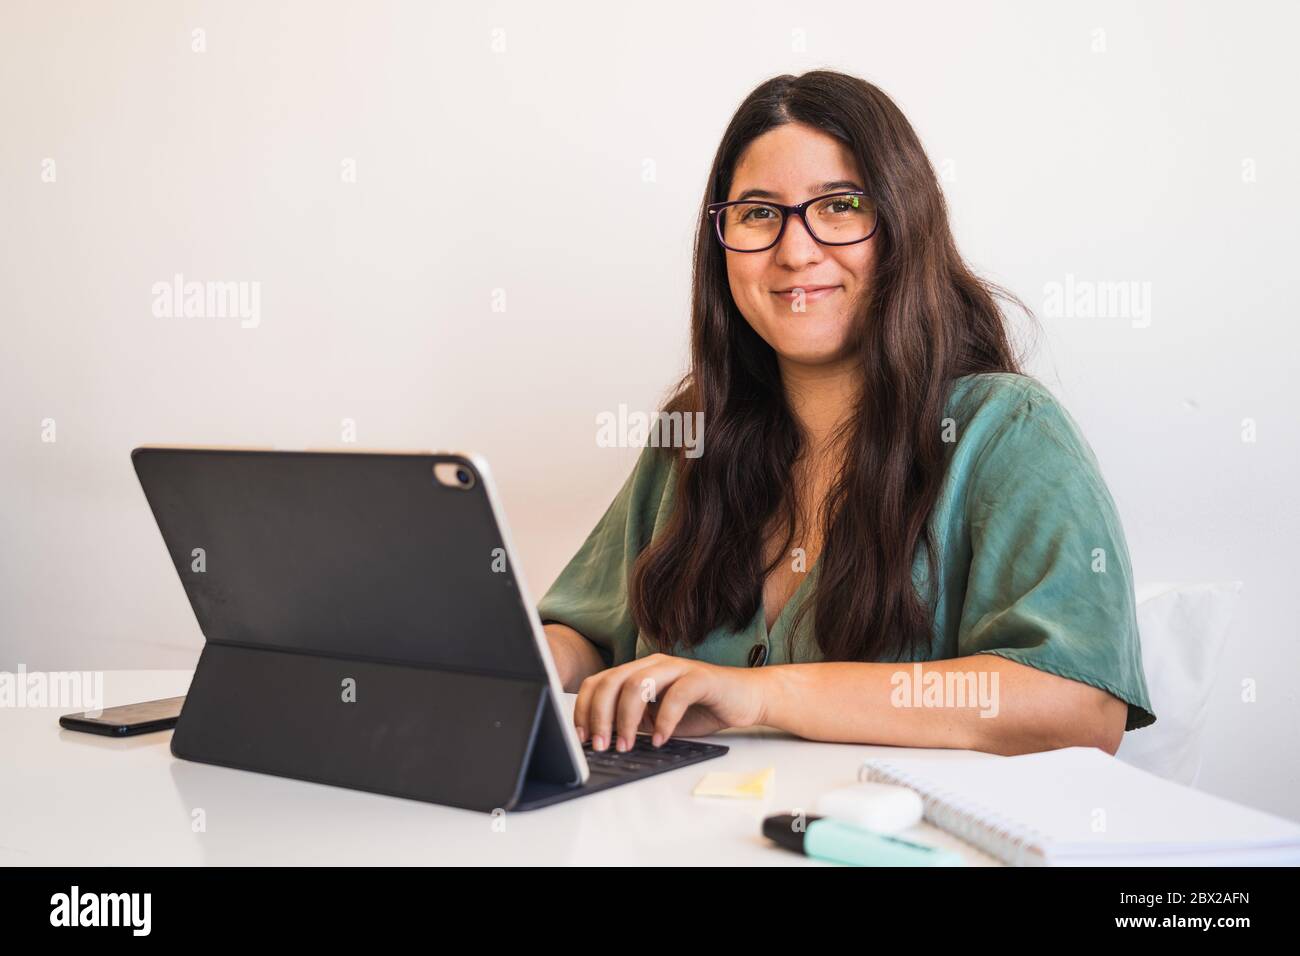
[[836, 219]]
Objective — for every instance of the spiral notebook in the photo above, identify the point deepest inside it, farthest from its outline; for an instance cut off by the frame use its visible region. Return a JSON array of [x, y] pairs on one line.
[[1081, 807]]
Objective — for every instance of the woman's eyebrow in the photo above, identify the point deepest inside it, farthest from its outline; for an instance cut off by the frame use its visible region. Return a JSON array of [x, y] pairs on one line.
[[813, 190], [837, 184]]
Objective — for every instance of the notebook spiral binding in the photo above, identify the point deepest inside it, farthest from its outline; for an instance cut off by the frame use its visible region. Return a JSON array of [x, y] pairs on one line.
[[997, 835]]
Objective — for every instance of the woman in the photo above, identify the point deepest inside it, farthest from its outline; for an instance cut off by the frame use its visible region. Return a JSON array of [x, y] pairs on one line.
[[879, 483]]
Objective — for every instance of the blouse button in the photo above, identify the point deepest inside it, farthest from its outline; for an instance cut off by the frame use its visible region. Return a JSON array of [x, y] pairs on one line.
[[758, 655]]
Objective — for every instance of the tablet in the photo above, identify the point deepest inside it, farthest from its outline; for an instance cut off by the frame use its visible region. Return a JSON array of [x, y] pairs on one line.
[[387, 576]]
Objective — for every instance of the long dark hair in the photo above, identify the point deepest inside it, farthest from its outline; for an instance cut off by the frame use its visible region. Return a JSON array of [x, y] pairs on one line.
[[926, 320]]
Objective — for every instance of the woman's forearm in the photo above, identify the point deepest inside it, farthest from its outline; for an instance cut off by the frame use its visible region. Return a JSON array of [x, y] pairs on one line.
[[576, 658], [982, 702]]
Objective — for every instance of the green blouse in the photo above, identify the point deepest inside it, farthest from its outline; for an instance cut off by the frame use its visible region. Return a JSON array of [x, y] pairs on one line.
[[1032, 558]]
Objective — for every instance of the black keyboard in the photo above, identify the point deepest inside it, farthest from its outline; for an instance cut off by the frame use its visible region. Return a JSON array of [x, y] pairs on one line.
[[609, 768], [644, 759]]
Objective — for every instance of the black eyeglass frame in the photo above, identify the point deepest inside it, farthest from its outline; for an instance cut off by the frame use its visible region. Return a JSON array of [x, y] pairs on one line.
[[800, 210]]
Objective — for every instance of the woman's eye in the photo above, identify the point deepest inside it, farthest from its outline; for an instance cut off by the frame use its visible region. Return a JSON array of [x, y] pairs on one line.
[[756, 212]]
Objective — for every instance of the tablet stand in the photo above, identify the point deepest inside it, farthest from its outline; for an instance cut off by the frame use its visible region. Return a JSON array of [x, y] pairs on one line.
[[465, 740]]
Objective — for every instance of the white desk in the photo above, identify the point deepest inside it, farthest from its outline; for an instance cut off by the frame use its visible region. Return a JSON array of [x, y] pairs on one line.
[[75, 799]]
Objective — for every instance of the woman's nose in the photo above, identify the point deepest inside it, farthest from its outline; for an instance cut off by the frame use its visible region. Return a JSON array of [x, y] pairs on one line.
[[797, 246]]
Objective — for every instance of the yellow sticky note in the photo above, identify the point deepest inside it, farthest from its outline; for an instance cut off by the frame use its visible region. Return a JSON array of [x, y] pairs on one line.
[[749, 786]]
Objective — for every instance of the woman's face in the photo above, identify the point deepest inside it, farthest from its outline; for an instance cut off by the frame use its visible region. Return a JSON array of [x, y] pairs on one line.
[[790, 164]]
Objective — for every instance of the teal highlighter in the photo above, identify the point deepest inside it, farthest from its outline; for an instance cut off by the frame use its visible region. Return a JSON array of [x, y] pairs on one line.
[[840, 842]]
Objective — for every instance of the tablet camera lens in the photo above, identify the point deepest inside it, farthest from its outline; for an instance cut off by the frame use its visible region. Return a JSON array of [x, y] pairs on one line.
[[453, 475]]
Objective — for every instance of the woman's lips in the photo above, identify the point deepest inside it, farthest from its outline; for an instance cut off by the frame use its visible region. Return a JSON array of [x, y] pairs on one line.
[[810, 293]]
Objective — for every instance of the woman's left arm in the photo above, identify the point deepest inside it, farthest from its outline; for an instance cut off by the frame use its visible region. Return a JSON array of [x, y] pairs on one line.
[[1016, 708], [984, 702]]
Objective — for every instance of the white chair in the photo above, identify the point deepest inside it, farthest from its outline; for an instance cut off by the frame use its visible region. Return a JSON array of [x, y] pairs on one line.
[[1183, 628]]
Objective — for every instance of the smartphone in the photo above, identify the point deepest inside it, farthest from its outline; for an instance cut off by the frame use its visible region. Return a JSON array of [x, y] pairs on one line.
[[129, 719]]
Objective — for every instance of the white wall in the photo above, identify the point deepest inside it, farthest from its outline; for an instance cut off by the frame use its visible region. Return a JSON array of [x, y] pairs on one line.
[[1108, 165]]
